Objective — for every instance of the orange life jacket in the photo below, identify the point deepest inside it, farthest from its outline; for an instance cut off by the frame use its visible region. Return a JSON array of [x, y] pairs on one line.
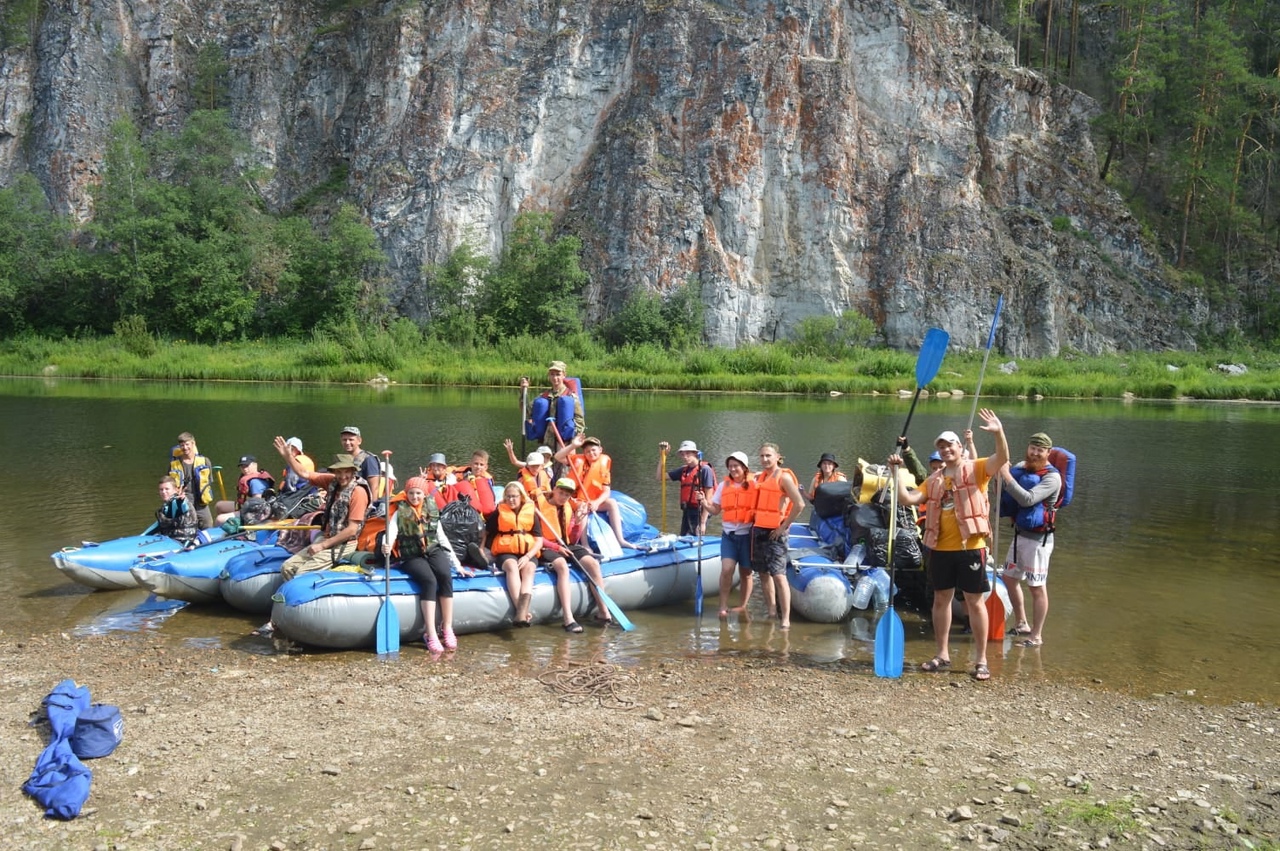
[[972, 508], [772, 502], [593, 477], [557, 523], [536, 485], [738, 501], [515, 530]]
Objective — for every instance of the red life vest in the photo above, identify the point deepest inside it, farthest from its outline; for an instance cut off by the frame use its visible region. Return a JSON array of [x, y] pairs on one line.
[[691, 480], [242, 487]]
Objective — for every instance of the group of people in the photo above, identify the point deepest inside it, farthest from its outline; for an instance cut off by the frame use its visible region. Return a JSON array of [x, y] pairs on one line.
[[542, 516]]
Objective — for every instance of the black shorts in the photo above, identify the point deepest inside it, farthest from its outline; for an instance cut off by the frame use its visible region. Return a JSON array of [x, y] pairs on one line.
[[579, 551], [963, 569]]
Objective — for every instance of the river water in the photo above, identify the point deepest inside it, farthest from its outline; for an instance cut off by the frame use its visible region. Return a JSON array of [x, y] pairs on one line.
[[1166, 576]]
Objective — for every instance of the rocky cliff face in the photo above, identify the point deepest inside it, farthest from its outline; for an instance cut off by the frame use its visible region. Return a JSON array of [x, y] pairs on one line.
[[794, 159]]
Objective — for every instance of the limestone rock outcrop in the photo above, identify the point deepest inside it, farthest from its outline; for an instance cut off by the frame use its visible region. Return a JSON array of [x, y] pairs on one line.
[[791, 158]]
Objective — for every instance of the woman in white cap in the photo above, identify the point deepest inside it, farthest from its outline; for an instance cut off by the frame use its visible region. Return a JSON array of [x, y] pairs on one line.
[[697, 482], [735, 500]]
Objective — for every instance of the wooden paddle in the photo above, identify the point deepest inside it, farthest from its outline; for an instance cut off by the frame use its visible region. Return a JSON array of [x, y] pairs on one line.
[[619, 616], [890, 643], [388, 624], [662, 462]]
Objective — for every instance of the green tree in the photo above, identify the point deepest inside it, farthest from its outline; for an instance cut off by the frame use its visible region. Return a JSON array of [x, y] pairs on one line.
[[35, 255], [673, 320], [536, 285], [451, 292], [137, 220]]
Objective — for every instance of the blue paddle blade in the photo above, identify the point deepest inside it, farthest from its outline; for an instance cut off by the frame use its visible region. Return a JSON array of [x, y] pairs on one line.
[[697, 594], [890, 645], [931, 352], [388, 629]]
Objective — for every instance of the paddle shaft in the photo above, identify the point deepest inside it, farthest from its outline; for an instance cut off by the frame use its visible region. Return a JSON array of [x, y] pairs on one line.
[[524, 416], [388, 622], [991, 339], [662, 462], [618, 614]]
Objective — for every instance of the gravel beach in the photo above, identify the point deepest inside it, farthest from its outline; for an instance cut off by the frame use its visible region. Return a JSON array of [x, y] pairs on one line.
[[230, 750]]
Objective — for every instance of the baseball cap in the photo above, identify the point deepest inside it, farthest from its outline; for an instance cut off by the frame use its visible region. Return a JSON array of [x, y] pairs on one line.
[[545, 450], [534, 460], [437, 458], [688, 446], [295, 442], [595, 441], [565, 483], [934, 456], [740, 457], [556, 366], [948, 436], [350, 430], [245, 460], [1040, 439]]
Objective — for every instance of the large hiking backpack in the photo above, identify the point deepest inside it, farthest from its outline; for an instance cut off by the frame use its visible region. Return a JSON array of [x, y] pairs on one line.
[[464, 526], [1065, 461], [1062, 460]]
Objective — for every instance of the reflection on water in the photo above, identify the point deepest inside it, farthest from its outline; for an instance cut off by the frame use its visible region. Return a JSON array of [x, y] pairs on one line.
[[125, 611], [1165, 577]]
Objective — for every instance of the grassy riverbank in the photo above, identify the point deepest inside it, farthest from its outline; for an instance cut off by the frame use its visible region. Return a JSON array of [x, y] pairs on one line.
[[403, 357]]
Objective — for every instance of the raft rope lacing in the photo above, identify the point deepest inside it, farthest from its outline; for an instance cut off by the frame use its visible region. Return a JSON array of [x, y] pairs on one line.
[[596, 680]]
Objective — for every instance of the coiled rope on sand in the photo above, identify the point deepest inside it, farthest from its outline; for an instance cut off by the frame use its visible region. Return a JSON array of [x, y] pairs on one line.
[[582, 682]]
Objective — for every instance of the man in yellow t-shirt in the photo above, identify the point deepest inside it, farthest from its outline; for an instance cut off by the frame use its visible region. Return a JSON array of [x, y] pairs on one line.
[[957, 523]]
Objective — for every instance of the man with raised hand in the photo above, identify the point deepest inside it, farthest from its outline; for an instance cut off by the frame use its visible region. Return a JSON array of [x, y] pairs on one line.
[[957, 523]]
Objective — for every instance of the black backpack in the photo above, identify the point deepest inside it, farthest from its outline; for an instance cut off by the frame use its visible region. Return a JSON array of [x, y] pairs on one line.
[[869, 522], [464, 526]]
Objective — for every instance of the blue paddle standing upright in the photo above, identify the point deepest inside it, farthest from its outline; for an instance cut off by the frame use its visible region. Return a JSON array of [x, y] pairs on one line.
[[388, 625], [890, 640]]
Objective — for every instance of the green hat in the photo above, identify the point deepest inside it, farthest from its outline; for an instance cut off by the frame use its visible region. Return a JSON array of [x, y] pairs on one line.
[[342, 461], [568, 484], [1040, 439]]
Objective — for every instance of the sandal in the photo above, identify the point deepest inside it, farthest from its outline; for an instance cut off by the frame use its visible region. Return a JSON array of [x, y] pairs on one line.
[[602, 622], [1032, 642], [1022, 628], [981, 673], [574, 627], [936, 664]]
